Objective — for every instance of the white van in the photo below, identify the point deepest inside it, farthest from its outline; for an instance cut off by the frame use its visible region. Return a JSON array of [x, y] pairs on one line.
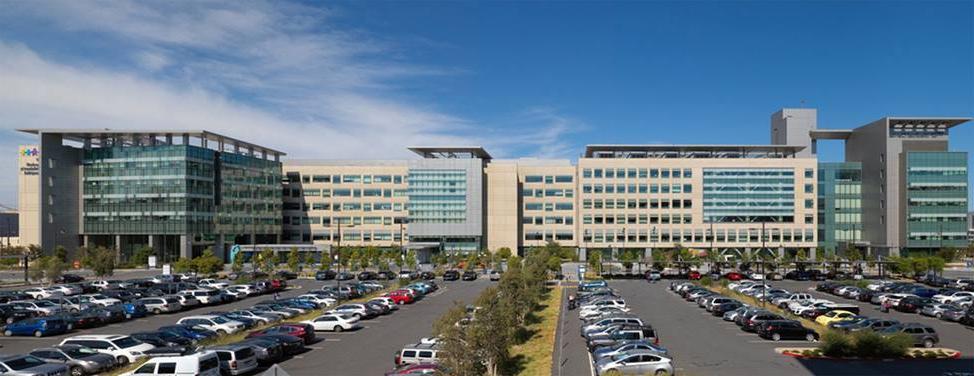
[[204, 363], [205, 296]]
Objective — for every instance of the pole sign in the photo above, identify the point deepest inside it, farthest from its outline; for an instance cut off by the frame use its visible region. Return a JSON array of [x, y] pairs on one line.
[[152, 262], [581, 272], [166, 269]]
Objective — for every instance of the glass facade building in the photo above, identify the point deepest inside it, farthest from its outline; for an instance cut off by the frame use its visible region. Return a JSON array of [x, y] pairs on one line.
[[839, 204], [749, 195], [936, 199], [437, 196]]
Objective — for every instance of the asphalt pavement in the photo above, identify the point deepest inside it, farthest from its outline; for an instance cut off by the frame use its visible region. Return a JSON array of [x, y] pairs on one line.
[[702, 344]]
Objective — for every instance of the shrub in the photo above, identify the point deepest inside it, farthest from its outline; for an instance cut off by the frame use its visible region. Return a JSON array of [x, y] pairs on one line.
[[706, 281], [869, 344], [836, 344], [895, 346]]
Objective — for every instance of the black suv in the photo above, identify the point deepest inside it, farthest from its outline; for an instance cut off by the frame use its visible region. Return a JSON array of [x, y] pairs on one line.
[[427, 276], [451, 275], [470, 275], [366, 276], [10, 314], [324, 275]]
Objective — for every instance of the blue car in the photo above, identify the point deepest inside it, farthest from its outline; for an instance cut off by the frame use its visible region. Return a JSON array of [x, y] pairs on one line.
[[135, 310], [248, 322], [187, 331], [300, 304], [37, 327]]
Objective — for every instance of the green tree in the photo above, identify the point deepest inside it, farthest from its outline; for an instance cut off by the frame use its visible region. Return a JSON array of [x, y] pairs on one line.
[[458, 353], [492, 333], [208, 263], [293, 259], [185, 265], [411, 259], [61, 253], [100, 260], [49, 268], [268, 260], [627, 257], [948, 254], [595, 261], [504, 253], [141, 255], [238, 263]]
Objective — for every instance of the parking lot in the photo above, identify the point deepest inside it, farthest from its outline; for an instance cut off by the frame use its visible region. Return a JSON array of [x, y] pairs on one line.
[[702, 344], [365, 351]]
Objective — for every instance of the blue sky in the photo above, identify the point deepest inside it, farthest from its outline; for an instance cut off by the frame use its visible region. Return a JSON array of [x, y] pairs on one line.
[[529, 79]]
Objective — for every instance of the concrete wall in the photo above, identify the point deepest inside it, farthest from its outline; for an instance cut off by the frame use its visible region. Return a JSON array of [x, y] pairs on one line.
[[503, 206], [60, 193], [790, 126]]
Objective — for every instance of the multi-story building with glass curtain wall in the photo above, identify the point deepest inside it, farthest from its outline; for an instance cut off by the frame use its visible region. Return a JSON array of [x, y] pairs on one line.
[[839, 206], [178, 192], [936, 200]]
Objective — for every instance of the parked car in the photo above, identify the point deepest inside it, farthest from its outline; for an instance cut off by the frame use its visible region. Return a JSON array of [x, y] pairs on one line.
[[304, 331], [325, 275], [451, 275], [235, 359], [922, 335], [418, 353], [835, 316], [29, 365], [874, 324], [268, 351], [163, 338], [79, 359], [416, 370], [41, 292], [777, 330], [912, 304], [158, 305], [41, 307], [205, 363], [636, 362], [952, 313], [214, 323], [37, 327], [629, 333], [192, 332], [333, 322], [428, 276], [67, 290], [751, 322], [495, 275], [10, 313], [123, 348], [607, 351], [469, 275]]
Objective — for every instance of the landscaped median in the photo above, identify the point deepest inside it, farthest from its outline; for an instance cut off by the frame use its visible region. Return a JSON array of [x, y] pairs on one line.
[[838, 345], [539, 349], [239, 336]]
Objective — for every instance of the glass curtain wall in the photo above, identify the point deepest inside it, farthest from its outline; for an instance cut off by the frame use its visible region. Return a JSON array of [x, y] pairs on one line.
[[936, 197]]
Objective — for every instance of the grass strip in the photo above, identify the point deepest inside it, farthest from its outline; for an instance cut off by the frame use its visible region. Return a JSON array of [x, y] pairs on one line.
[[539, 349]]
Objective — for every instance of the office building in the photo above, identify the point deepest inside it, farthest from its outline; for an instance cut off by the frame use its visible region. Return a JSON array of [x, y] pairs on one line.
[[970, 228], [914, 190], [432, 203], [839, 206], [176, 191]]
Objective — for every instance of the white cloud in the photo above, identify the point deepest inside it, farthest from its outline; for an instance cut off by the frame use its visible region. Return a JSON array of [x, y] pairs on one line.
[[277, 74]]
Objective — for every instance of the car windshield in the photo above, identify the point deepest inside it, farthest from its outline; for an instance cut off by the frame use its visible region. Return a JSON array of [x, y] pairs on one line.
[[219, 320], [23, 363], [79, 352], [99, 297], [44, 303], [126, 342]]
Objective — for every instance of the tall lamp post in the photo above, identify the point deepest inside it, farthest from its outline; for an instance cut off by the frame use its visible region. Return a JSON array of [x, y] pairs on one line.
[[338, 258], [402, 250]]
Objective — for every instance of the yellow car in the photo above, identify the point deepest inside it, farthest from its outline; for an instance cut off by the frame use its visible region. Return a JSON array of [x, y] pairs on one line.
[[834, 316]]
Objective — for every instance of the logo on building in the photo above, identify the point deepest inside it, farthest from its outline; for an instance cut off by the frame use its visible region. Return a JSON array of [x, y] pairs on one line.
[[29, 152]]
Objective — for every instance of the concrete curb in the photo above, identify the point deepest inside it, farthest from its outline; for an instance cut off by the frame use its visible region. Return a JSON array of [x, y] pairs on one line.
[[798, 355]]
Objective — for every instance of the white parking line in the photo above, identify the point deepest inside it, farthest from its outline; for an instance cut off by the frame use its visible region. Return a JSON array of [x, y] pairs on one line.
[[591, 365], [333, 339]]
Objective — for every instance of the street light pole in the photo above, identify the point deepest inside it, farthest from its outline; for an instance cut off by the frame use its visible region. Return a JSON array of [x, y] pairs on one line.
[[338, 259], [402, 251]]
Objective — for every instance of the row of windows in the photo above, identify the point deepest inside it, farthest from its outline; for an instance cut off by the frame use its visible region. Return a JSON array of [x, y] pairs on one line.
[[549, 206], [637, 188], [329, 221], [548, 192], [549, 236], [635, 204], [637, 173], [697, 235], [347, 206], [637, 219], [356, 236], [294, 192], [548, 179], [348, 179], [569, 220]]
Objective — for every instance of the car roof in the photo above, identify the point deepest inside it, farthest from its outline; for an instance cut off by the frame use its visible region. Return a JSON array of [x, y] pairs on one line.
[[98, 336], [644, 352], [422, 346]]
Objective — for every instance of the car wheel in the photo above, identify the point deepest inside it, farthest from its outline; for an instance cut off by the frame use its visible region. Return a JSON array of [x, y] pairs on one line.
[[661, 372], [338, 329], [10, 320], [122, 361], [157, 311], [128, 316], [810, 337], [939, 315], [74, 310], [8, 333], [221, 332], [927, 343], [776, 337], [77, 371]]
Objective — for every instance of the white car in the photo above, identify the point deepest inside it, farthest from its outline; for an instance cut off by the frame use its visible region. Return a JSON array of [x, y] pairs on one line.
[[204, 363], [236, 294], [754, 288], [740, 284], [588, 313], [952, 298], [246, 289], [214, 323], [163, 278], [892, 299], [204, 296], [265, 318], [386, 301], [756, 276], [42, 292], [42, 307], [73, 304], [212, 283], [100, 299], [123, 348], [783, 301], [327, 302], [605, 303], [334, 322], [68, 290], [187, 300], [355, 310], [106, 284], [842, 291]]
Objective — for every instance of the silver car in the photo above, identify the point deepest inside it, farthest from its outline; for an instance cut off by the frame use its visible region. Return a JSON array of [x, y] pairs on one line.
[[79, 359], [637, 362], [28, 365], [162, 304]]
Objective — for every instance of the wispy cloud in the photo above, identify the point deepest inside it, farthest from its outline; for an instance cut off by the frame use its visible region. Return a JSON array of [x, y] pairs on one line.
[[539, 132]]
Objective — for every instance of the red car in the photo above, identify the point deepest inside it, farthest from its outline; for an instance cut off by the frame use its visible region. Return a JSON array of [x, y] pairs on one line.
[[278, 284], [305, 332], [694, 275], [400, 297], [416, 369], [734, 276]]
